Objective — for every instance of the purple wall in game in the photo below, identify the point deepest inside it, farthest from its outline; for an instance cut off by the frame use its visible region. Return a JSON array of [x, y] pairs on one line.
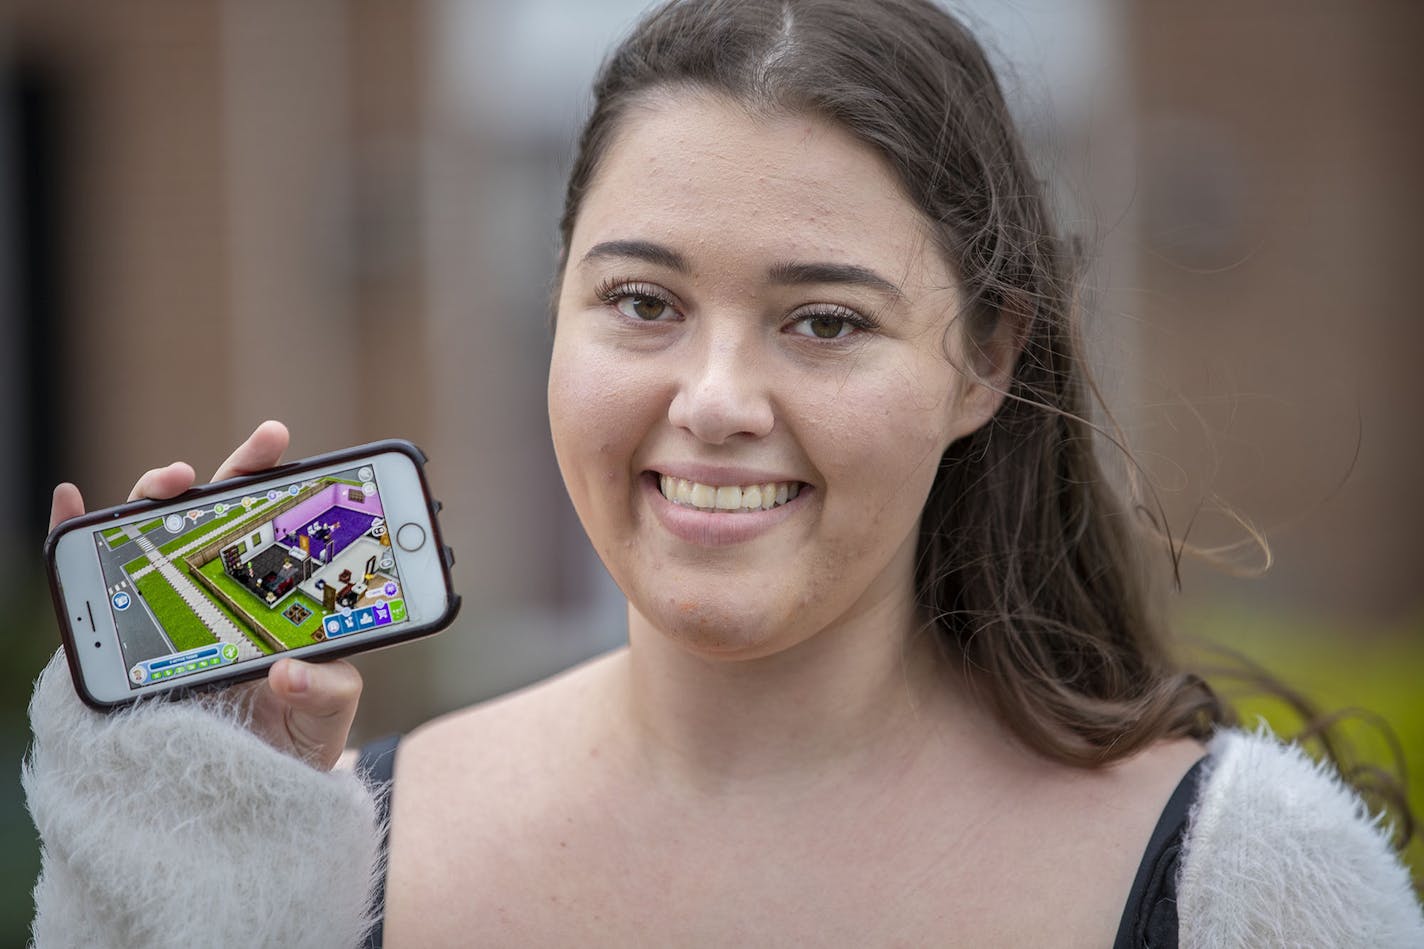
[[336, 494]]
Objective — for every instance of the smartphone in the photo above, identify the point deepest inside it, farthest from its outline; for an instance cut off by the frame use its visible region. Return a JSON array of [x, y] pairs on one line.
[[314, 559]]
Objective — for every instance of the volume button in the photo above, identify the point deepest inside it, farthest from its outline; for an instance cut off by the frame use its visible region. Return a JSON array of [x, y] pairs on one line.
[[449, 555]]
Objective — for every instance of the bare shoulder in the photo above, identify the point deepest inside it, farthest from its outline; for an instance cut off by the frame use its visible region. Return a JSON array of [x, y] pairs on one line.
[[472, 791], [502, 739], [1116, 807], [1097, 821], [1150, 776]]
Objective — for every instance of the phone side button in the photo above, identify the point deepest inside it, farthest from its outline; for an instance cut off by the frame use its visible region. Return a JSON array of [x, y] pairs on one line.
[[449, 554], [436, 507]]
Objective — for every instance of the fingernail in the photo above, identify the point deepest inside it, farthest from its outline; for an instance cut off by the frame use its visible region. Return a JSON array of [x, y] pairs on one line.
[[298, 677]]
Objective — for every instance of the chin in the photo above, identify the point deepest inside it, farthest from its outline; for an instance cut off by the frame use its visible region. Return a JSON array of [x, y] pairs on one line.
[[712, 630]]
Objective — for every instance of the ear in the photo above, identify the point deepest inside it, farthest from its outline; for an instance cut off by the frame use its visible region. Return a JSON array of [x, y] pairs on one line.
[[993, 340]]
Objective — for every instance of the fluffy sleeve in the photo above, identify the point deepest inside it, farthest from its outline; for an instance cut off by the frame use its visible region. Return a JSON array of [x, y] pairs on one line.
[[1280, 852], [171, 825]]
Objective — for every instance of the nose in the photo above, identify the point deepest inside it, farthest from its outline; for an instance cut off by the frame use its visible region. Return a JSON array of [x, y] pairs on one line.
[[721, 395]]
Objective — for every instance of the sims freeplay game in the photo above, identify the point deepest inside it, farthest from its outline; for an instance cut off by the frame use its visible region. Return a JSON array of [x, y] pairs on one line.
[[251, 575]]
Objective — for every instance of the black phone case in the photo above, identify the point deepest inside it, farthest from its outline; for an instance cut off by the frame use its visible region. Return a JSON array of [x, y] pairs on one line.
[[96, 518]]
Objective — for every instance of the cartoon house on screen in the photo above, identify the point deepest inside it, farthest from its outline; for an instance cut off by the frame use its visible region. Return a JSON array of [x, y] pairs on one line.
[[332, 545]]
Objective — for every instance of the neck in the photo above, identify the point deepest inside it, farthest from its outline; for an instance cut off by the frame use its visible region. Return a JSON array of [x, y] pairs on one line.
[[859, 696]]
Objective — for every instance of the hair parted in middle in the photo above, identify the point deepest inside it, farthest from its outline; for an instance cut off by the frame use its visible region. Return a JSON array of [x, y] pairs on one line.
[[1030, 568]]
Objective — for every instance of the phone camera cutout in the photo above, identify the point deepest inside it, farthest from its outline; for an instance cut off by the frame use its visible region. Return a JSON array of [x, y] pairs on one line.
[[97, 644]]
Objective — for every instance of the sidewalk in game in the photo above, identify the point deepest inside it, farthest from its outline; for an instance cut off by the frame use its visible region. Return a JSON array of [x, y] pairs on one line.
[[213, 618]]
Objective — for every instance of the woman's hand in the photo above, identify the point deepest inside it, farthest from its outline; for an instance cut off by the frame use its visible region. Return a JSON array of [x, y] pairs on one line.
[[302, 708]]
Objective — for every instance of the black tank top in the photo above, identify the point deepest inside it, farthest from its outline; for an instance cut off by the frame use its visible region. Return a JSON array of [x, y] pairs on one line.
[[1149, 920]]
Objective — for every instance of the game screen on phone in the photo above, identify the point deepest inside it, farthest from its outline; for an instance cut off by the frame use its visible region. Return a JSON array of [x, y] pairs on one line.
[[250, 575]]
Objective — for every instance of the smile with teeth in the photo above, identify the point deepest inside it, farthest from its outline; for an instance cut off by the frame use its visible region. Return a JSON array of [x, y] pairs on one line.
[[730, 498]]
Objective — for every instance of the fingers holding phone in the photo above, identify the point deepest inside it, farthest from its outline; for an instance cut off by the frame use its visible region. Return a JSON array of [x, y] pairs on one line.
[[166, 482], [67, 503], [154, 483], [246, 579], [262, 450], [306, 708]]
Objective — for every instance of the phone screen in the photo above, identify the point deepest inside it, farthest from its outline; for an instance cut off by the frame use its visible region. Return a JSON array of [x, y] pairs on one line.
[[236, 578]]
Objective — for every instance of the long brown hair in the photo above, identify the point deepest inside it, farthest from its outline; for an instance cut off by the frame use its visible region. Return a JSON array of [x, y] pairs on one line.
[[1031, 567]]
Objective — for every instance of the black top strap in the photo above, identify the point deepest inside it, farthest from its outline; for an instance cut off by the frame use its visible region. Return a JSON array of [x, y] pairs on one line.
[[377, 764], [1149, 920]]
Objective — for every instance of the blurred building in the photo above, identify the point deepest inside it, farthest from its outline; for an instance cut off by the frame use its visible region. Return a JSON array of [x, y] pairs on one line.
[[342, 214]]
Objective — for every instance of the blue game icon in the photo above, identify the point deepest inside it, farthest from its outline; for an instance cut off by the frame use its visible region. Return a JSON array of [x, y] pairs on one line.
[[122, 600]]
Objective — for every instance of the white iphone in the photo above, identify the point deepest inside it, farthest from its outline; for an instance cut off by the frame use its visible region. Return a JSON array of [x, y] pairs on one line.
[[315, 559]]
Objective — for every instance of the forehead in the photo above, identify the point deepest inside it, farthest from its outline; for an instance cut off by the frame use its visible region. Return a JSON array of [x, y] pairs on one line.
[[711, 177]]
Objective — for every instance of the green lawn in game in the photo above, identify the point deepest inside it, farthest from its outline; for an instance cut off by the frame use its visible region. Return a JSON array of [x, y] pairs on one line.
[[272, 620], [135, 565], [184, 629], [241, 624]]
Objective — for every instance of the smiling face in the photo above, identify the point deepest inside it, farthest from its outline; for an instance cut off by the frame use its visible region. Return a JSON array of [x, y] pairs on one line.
[[750, 391]]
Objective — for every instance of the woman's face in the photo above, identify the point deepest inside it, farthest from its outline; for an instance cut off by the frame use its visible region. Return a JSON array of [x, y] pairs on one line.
[[750, 390]]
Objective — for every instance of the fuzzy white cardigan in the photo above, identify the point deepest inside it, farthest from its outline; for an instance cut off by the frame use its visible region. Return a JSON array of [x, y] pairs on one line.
[[169, 825]]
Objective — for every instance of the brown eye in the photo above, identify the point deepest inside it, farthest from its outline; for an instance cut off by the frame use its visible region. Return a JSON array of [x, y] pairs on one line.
[[832, 323], [827, 327], [642, 307]]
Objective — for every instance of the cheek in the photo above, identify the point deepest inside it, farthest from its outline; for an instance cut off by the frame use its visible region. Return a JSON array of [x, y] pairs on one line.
[[598, 411], [883, 441]]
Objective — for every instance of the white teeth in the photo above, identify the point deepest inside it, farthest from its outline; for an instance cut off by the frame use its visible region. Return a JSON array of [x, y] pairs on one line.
[[700, 495], [753, 497]]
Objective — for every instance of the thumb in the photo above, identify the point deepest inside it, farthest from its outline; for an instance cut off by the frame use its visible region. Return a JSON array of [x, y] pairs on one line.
[[319, 701]]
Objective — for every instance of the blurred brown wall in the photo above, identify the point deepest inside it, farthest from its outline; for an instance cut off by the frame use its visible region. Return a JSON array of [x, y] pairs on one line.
[[243, 230], [1282, 232], [144, 220]]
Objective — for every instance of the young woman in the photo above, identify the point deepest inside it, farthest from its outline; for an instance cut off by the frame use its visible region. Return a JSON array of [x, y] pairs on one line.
[[892, 673]]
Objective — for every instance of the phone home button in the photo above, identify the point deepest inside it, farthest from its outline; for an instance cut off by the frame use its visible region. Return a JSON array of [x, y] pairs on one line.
[[410, 536]]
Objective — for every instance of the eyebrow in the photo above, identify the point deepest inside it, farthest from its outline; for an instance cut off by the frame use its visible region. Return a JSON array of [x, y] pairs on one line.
[[792, 273], [640, 250], [786, 273]]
